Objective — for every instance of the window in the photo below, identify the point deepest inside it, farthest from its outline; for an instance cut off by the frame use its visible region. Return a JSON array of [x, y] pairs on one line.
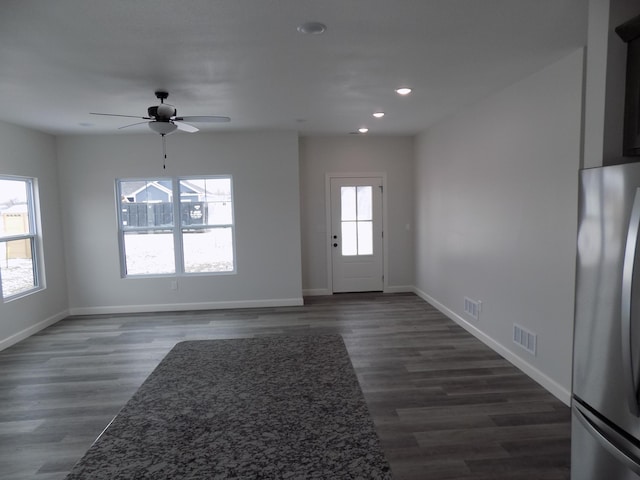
[[154, 243], [18, 237]]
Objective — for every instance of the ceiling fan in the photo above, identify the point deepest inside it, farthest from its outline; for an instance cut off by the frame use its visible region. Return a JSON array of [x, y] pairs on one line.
[[164, 119]]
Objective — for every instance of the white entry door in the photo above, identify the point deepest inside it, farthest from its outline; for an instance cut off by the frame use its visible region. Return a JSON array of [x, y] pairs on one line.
[[356, 234]]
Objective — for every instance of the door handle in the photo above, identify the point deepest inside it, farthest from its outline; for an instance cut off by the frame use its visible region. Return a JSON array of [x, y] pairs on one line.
[[626, 322]]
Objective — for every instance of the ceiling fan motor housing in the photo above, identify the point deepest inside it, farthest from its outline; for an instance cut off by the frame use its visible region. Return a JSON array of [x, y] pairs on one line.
[[162, 112]]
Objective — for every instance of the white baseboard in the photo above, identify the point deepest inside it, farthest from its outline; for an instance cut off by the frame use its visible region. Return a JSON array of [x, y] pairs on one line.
[[316, 292], [557, 390], [27, 332], [176, 307], [399, 289]]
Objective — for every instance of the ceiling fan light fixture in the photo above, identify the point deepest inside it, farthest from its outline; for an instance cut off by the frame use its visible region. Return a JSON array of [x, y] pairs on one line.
[[163, 128], [165, 111]]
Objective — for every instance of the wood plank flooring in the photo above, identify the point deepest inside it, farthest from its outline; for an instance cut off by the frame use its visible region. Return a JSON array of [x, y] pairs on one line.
[[445, 406]]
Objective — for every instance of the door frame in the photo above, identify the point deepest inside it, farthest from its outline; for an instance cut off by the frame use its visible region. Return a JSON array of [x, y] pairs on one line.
[[385, 237]]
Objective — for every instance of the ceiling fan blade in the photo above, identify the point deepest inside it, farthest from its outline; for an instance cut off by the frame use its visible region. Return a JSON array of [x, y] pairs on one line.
[[131, 125], [185, 127], [203, 118], [116, 115]]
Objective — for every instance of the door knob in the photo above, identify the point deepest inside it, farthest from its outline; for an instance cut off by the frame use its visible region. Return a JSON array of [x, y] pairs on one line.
[[335, 244]]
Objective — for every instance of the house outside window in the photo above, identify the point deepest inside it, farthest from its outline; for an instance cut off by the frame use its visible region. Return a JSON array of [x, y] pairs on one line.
[[176, 226], [19, 272]]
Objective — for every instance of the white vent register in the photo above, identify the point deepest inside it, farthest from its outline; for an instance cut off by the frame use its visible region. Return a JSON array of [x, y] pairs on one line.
[[524, 338], [472, 308]]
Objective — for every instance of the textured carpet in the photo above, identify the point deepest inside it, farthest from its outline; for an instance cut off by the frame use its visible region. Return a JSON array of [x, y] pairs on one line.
[[283, 407]]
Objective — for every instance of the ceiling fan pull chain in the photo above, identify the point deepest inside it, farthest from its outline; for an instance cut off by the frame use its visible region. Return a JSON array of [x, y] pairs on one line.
[[164, 152]]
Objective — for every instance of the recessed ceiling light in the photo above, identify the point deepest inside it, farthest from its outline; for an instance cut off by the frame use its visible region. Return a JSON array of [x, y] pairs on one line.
[[403, 91], [363, 130], [378, 114], [312, 28]]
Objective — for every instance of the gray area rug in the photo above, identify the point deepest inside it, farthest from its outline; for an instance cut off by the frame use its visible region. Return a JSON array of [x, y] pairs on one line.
[[284, 407]]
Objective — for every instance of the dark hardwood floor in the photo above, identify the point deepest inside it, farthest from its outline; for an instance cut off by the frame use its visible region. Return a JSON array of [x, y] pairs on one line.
[[445, 406]]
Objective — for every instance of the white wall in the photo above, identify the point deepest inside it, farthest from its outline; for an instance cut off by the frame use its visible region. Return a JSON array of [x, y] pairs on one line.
[[496, 207], [320, 155], [32, 154], [264, 167]]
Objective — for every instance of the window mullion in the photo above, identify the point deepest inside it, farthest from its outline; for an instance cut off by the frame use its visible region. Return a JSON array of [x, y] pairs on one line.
[[32, 210], [357, 222], [35, 254], [177, 228], [13, 238], [34, 264], [121, 246]]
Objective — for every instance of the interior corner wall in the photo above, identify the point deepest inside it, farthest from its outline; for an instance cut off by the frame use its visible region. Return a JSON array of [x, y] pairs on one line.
[[29, 153], [496, 217], [393, 155], [264, 167]]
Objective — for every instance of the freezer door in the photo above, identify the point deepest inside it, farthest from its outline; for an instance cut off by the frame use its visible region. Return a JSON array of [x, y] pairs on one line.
[[606, 330], [598, 452]]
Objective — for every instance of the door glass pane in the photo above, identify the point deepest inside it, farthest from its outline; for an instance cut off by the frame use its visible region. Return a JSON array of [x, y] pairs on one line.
[[16, 267], [349, 238], [348, 203], [357, 220], [365, 201], [208, 250], [149, 252], [365, 238]]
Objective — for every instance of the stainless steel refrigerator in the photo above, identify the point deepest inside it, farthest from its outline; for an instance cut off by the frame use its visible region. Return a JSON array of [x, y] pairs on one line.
[[605, 439]]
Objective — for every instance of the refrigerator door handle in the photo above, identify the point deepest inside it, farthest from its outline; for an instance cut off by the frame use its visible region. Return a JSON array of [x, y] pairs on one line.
[[626, 304], [612, 441]]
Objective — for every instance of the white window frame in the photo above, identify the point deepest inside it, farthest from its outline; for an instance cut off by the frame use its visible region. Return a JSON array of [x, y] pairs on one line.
[[177, 227], [32, 236]]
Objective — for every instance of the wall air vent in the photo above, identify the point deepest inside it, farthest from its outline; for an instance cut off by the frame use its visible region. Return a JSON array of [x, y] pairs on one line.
[[525, 339], [472, 308]]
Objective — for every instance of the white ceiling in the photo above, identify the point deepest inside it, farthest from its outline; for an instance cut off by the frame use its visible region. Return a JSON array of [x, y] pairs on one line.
[[61, 59]]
